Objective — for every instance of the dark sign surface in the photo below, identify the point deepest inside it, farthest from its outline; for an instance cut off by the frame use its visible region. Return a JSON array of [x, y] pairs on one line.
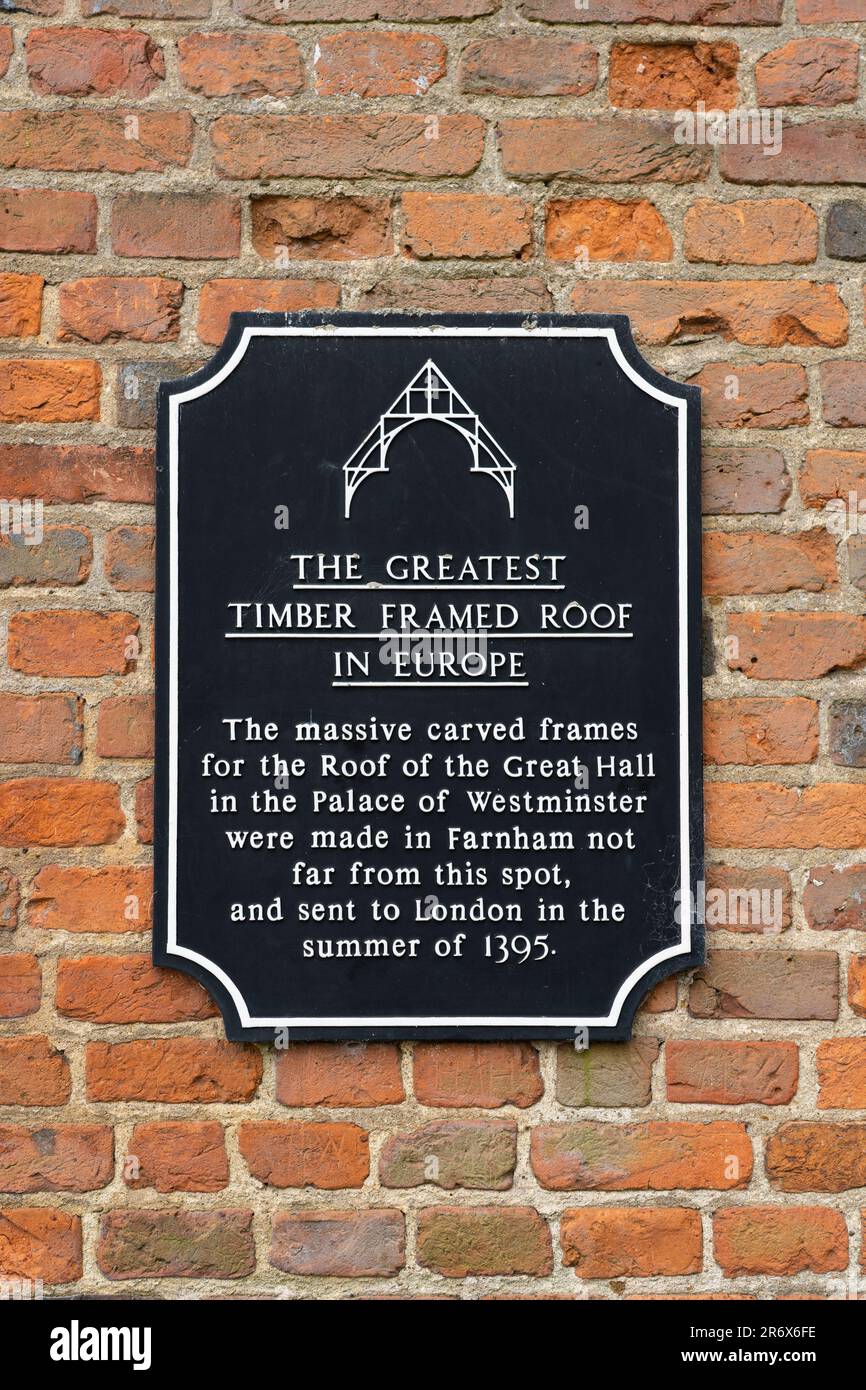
[[428, 677]]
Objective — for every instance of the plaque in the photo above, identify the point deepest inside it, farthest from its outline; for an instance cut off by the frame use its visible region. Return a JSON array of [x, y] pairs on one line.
[[428, 677]]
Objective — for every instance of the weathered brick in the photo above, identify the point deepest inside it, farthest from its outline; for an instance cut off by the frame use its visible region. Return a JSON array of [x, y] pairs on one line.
[[526, 65], [475, 225], [603, 229], [33, 1072], [461, 1241], [827, 474], [345, 146], [451, 1153], [128, 989], [7, 47], [831, 11], [116, 898], [831, 151], [40, 1243], [296, 1154], [766, 984], [93, 62], [817, 1157], [847, 731], [606, 1074], [753, 396], [129, 559], [76, 472], [346, 1244], [323, 229], [796, 646], [755, 562], [759, 313], [125, 727], [841, 1066], [673, 76], [48, 220], [779, 1240], [175, 1156], [752, 231], [459, 296], [20, 305], [739, 482], [220, 298], [856, 549], [10, 897], [834, 898], [747, 900], [731, 1073], [808, 72], [843, 389], [72, 642], [59, 811], [48, 390], [174, 1070], [333, 1074], [84, 140], [148, 9], [761, 732], [136, 388], [857, 985], [657, 11], [235, 64], [380, 64], [657, 1155], [617, 1242], [41, 728], [845, 234], [331, 11], [144, 810], [176, 225], [600, 149], [20, 985], [103, 310], [175, 1244], [62, 1158], [63, 556], [486, 1075], [764, 815]]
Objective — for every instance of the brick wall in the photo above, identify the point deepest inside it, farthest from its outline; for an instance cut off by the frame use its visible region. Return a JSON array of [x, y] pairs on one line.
[[165, 161]]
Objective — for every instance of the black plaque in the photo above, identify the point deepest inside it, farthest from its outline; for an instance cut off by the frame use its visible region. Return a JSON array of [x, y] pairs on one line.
[[428, 677]]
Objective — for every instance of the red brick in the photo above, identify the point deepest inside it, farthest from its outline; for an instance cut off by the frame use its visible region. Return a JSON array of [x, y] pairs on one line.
[[596, 1156], [834, 897], [822, 1157], [461, 1241], [148, 9], [220, 298], [527, 65], [20, 305], [606, 149], [240, 65], [731, 1073], [766, 984], [779, 1240], [40, 1243], [33, 1072], [9, 899], [47, 219], [843, 387], [103, 310], [831, 11], [747, 900], [673, 76], [486, 1075], [7, 47], [617, 1242], [451, 1153], [602, 229], [331, 11], [93, 62], [831, 151], [73, 642], [128, 989], [41, 728], [379, 64], [296, 1154], [332, 1074], [748, 816], [116, 898], [63, 556], [20, 984], [795, 646], [59, 811], [322, 229], [174, 1156], [144, 810], [606, 1074], [759, 313], [77, 472], [175, 1244], [82, 140], [808, 72], [475, 225], [174, 1070], [506, 294], [857, 985], [827, 474], [753, 231], [345, 1244], [129, 559], [753, 396], [761, 732], [841, 1073], [125, 728], [48, 391], [177, 225], [739, 482], [656, 11], [754, 562], [346, 146], [63, 1158]]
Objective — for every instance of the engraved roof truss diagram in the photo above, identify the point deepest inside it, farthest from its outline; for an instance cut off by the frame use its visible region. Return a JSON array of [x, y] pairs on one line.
[[429, 396]]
